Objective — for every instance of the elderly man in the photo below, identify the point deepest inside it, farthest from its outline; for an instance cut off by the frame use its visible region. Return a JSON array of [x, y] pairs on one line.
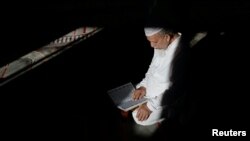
[[157, 79]]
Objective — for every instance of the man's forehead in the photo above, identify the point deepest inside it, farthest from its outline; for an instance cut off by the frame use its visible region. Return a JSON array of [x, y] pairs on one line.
[[154, 37]]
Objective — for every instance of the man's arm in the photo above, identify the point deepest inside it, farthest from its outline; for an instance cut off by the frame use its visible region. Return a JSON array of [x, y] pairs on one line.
[[143, 83]]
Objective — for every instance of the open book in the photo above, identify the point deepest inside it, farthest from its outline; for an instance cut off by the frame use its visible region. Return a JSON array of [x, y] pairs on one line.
[[122, 97]]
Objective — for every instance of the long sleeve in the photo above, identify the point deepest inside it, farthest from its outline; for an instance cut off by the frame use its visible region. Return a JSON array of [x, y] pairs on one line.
[[149, 72], [157, 79]]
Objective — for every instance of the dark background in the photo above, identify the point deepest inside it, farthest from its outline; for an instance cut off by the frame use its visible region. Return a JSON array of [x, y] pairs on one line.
[[33, 24], [54, 100], [67, 96]]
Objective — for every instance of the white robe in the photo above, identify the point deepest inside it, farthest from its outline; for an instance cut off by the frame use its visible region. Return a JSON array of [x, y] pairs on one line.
[[157, 81]]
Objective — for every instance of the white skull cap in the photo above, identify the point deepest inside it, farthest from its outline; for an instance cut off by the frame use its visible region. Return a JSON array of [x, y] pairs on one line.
[[152, 30]]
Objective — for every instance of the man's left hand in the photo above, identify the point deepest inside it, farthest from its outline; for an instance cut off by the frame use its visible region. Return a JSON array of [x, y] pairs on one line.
[[143, 112]]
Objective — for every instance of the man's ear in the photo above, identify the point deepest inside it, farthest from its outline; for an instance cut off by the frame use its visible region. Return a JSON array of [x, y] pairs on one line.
[[168, 38]]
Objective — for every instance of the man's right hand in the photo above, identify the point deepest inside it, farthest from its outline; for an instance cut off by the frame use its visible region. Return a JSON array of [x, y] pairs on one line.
[[139, 93]]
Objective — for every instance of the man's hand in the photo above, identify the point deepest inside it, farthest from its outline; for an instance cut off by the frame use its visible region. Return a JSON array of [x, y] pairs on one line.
[[139, 93], [143, 112]]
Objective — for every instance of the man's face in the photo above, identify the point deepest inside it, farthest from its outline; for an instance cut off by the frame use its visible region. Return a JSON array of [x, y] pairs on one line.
[[158, 41]]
